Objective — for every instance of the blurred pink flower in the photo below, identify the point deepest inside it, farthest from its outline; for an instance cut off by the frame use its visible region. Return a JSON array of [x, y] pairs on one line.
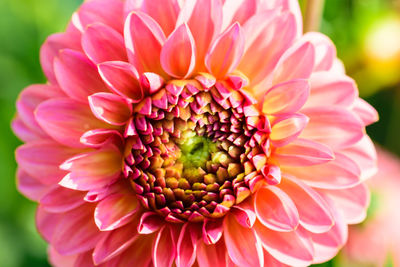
[[197, 132], [377, 240]]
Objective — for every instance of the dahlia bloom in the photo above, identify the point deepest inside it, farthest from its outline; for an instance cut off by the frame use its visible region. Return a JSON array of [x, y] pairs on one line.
[[377, 240], [197, 132]]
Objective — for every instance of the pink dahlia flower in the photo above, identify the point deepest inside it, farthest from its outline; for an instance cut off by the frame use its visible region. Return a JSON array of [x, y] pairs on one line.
[[201, 132], [377, 240]]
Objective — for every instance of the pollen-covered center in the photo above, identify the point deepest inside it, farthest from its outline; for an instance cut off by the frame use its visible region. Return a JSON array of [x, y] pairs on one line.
[[194, 149]]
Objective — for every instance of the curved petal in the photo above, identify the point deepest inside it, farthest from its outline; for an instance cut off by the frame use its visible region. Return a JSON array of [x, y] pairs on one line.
[[29, 186], [242, 245], [110, 108], [60, 200], [226, 52], [275, 209], [178, 55], [102, 43], [163, 249], [77, 75], [211, 255], [23, 132], [238, 11], [365, 111], [66, 120], [286, 128], [149, 223], [187, 245], [138, 254], [325, 51], [122, 78], [212, 231], [164, 12]]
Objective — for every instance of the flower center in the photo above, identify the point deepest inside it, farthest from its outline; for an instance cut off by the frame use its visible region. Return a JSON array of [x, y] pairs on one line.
[[193, 149]]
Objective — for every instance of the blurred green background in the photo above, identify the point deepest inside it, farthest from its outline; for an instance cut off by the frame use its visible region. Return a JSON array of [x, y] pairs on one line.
[[366, 32]]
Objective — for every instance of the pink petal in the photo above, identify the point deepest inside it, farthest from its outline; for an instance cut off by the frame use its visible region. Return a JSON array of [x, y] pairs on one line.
[[286, 128], [115, 211], [244, 213], [114, 243], [56, 259], [238, 11], [50, 49], [211, 255], [138, 254], [331, 89], [103, 43], [77, 75], [164, 12], [111, 108], [292, 248], [268, 34], [302, 152], [352, 202], [286, 97], [226, 52], [92, 170], [30, 98], [204, 18], [242, 245], [100, 137], [335, 127], [29, 186], [296, 63], [65, 120], [315, 215], [60, 200], [365, 111], [47, 222], [342, 172], [23, 132], [186, 246], [108, 12], [212, 231], [163, 248], [41, 159], [76, 232], [178, 55], [275, 209], [149, 223], [122, 78], [144, 39], [325, 51]]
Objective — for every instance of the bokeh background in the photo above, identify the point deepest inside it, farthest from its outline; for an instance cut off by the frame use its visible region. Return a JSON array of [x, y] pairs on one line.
[[366, 33]]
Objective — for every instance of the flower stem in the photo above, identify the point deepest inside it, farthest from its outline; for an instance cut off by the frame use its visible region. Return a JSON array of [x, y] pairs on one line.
[[313, 15]]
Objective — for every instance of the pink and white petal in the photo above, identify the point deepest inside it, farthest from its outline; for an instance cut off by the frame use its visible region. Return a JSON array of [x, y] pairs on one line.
[[238, 11], [243, 247], [150, 222], [204, 18], [60, 200], [287, 97], [123, 79], [23, 132], [77, 75], [302, 152], [164, 250], [270, 261], [286, 128], [226, 52], [30, 187], [115, 211], [66, 120], [275, 209], [76, 232], [325, 50], [187, 245], [41, 159], [244, 213], [114, 243], [333, 126], [108, 12], [138, 254], [327, 245], [296, 63], [30, 98], [144, 39], [270, 35], [211, 255], [100, 137], [92, 170], [50, 49], [102, 43], [331, 89], [342, 172], [164, 12], [293, 248], [314, 212], [212, 231], [110, 108], [352, 202], [365, 111], [178, 55]]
